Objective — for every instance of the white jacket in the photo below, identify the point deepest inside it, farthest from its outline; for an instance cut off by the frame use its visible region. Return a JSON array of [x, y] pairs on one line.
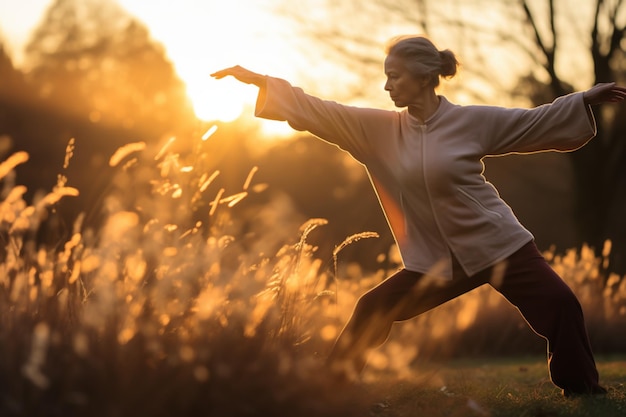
[[429, 177]]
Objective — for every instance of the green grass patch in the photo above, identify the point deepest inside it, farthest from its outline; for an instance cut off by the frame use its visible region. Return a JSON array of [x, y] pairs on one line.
[[502, 387]]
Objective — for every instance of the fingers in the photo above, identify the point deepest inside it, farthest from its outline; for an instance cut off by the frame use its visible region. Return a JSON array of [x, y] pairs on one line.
[[616, 90], [233, 71], [615, 93], [237, 71], [605, 93], [619, 93], [241, 74], [223, 73]]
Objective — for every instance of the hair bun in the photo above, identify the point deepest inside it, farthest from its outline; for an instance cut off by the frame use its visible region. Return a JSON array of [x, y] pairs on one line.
[[422, 58], [449, 63]]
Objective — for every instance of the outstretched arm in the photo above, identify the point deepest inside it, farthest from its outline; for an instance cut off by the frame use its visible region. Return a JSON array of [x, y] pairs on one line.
[[356, 130], [241, 74], [604, 93]]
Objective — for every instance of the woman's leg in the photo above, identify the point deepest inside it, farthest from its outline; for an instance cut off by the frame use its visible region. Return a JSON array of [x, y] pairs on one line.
[[402, 296], [553, 311]]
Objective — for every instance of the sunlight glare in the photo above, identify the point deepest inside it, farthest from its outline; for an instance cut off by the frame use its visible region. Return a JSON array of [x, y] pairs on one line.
[[222, 100], [276, 129], [203, 37]]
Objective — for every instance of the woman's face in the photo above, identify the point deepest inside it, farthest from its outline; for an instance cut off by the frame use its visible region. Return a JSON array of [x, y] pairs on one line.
[[404, 88]]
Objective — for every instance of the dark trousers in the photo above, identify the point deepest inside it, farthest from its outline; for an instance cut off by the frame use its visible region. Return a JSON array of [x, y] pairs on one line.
[[525, 279]]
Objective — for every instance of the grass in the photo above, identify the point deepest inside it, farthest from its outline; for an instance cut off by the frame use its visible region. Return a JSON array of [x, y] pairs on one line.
[[167, 307], [503, 387]]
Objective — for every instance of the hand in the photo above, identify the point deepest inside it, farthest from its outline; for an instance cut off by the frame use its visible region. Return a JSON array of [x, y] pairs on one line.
[[241, 74], [604, 93]]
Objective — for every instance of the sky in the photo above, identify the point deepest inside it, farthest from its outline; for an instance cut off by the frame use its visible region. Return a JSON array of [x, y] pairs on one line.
[[17, 19], [244, 32], [253, 34], [250, 33]]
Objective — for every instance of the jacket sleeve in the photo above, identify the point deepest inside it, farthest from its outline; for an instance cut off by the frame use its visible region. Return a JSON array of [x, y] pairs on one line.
[[352, 129], [564, 125]]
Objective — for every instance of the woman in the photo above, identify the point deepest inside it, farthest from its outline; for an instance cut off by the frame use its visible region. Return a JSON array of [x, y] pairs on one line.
[[453, 230]]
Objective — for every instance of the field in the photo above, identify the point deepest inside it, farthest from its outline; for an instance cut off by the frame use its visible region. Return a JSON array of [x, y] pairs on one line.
[[495, 387], [166, 307]]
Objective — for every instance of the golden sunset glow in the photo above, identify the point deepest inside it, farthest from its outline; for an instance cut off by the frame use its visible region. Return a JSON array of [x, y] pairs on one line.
[[222, 100], [203, 37], [165, 252]]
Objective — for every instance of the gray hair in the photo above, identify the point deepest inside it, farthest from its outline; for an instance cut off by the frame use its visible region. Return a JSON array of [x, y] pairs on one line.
[[422, 57]]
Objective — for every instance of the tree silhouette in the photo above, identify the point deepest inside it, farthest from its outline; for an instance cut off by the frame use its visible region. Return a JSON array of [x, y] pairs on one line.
[[92, 75], [598, 167], [537, 36], [13, 86], [93, 60], [8, 74]]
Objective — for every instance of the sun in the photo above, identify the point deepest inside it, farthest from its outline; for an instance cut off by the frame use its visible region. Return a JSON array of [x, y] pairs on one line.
[[222, 100], [203, 37], [226, 100]]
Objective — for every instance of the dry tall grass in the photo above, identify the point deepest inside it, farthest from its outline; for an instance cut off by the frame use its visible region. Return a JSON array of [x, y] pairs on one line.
[[149, 315], [143, 316]]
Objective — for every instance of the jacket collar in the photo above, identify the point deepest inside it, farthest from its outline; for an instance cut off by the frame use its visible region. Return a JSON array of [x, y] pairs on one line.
[[444, 105]]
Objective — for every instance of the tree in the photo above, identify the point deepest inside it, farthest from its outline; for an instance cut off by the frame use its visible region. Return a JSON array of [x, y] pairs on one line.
[[12, 83], [7, 71], [528, 51], [599, 166], [473, 29], [99, 81], [95, 61]]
